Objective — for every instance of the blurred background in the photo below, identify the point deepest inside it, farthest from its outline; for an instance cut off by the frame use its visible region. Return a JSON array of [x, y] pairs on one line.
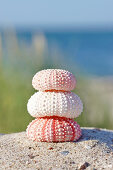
[[72, 35]]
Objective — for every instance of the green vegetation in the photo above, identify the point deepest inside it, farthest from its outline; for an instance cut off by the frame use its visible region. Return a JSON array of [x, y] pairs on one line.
[[18, 64]]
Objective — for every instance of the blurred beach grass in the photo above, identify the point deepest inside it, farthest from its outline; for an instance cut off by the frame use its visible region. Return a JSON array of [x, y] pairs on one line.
[[18, 64]]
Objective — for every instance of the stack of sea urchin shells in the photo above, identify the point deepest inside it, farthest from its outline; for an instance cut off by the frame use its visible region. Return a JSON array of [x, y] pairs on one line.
[[54, 107]]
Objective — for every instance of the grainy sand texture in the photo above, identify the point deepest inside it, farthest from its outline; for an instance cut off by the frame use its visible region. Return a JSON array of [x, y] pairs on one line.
[[94, 150]]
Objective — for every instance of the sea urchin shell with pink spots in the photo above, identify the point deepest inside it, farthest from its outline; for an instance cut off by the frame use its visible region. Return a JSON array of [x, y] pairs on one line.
[[54, 79], [53, 129]]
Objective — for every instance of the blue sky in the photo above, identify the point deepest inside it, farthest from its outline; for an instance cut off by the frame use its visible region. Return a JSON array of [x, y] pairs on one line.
[[59, 13]]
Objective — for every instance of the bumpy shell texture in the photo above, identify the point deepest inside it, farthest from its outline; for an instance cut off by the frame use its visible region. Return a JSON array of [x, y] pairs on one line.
[[53, 129], [64, 104], [54, 79]]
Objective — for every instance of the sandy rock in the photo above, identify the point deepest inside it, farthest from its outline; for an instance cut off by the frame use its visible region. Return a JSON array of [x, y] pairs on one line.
[[93, 151]]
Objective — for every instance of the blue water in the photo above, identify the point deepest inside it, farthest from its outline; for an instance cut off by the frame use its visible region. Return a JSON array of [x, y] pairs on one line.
[[93, 52], [90, 51]]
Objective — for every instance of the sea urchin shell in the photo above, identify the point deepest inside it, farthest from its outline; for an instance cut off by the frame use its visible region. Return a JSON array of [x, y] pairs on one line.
[[54, 79], [64, 104], [53, 129]]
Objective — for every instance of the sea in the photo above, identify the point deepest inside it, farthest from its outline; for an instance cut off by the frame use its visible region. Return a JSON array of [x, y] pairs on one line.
[[92, 51]]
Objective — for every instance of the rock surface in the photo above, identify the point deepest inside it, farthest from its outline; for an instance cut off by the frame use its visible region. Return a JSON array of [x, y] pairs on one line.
[[94, 150]]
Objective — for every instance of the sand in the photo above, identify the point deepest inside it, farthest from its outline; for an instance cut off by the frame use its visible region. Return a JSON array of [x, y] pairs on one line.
[[93, 151]]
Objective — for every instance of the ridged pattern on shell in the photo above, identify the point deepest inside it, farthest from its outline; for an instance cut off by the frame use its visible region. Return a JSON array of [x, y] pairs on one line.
[[54, 79], [53, 129], [64, 104]]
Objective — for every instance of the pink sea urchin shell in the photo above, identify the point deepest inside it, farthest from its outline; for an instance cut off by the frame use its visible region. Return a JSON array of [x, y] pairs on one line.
[[54, 79], [64, 104], [53, 129]]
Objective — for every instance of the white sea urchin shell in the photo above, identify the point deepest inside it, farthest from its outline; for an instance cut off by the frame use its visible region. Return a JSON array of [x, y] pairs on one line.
[[64, 104]]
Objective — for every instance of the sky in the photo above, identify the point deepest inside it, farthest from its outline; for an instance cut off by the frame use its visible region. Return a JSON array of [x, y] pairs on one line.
[[59, 13]]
